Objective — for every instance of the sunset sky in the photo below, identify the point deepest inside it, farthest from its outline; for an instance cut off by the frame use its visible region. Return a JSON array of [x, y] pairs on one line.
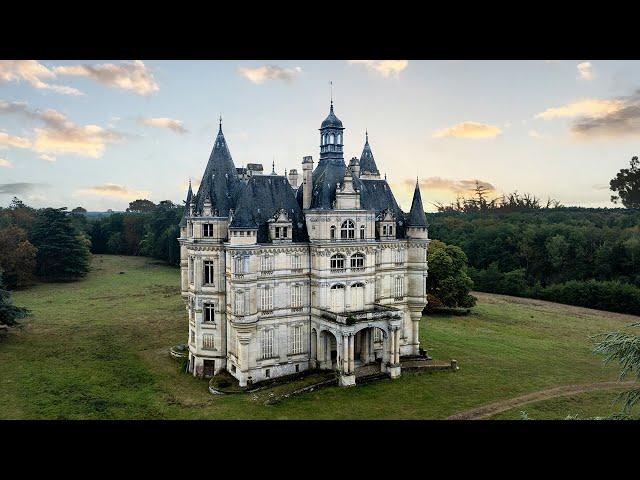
[[100, 134]]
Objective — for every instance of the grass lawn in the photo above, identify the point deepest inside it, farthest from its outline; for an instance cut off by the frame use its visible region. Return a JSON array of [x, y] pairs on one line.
[[98, 349]]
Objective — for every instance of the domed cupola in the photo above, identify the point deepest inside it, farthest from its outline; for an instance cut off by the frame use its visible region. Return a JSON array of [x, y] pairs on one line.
[[331, 138]]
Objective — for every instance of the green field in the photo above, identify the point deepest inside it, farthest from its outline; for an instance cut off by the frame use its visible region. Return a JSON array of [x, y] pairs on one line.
[[98, 349]]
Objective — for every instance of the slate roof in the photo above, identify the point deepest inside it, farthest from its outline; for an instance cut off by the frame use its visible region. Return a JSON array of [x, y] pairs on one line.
[[367, 162], [183, 220], [331, 121], [417, 217], [261, 198], [220, 181]]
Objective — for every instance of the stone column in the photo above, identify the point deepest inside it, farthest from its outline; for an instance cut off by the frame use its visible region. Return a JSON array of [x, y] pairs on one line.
[[397, 345], [314, 351], [364, 346], [351, 353], [345, 354], [392, 346]]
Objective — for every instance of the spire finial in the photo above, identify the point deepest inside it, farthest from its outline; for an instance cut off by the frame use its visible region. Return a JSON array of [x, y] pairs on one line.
[[366, 135], [220, 123], [273, 167], [331, 87]]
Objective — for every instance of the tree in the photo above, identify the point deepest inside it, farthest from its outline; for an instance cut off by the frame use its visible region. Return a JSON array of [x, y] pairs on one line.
[[627, 185], [10, 315], [79, 211], [17, 257], [63, 250], [625, 348], [448, 280], [141, 206]]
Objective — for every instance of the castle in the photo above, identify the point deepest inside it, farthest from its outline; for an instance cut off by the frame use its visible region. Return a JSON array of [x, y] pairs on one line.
[[279, 278]]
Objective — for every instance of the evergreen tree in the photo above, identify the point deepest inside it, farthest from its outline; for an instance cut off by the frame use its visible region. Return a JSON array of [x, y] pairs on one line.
[[625, 348], [63, 250], [9, 313]]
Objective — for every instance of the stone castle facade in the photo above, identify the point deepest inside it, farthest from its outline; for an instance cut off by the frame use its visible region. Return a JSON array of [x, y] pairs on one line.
[[279, 278]]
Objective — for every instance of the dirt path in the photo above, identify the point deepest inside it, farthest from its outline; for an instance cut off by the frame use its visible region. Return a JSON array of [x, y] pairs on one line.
[[491, 409]]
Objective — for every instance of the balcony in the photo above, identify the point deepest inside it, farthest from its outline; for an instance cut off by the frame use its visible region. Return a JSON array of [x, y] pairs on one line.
[[376, 313]]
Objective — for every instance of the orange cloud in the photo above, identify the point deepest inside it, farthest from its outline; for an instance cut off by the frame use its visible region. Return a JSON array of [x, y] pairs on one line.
[[469, 130], [115, 191]]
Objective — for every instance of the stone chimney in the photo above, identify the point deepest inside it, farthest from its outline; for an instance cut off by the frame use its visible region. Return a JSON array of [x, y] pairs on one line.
[[293, 177], [354, 164], [307, 182]]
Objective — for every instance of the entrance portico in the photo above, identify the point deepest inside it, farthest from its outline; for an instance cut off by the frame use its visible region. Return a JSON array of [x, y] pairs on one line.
[[366, 338]]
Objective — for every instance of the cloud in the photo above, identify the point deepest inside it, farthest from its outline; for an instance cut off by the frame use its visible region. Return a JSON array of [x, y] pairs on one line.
[[47, 158], [115, 191], [386, 68], [20, 188], [616, 117], [60, 135], [34, 73], [445, 184], [469, 130], [590, 107], [163, 122], [13, 141], [133, 76], [258, 75], [584, 71], [5, 163]]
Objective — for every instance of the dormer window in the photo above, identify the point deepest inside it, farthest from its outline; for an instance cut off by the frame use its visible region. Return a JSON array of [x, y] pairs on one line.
[[282, 232], [207, 230]]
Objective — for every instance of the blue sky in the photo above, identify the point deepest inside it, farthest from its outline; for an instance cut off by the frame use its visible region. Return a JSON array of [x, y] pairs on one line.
[[100, 134]]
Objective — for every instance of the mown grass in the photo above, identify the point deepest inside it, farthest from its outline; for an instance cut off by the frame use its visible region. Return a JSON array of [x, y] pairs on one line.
[[98, 349]]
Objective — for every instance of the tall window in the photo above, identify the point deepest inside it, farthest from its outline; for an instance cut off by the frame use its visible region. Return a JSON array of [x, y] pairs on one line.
[[377, 335], [390, 229], [208, 272], [337, 261], [190, 268], [207, 341], [362, 232], [337, 298], [267, 343], [296, 296], [296, 339], [398, 256], [333, 232], [384, 230], [331, 138], [207, 229], [239, 264], [209, 316], [296, 262], [398, 290], [357, 260], [239, 310], [377, 288], [348, 230], [266, 299], [191, 229], [266, 263]]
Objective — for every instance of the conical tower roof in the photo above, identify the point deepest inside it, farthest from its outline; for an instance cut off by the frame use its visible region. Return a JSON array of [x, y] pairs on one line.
[[367, 162], [183, 221], [220, 181], [417, 217]]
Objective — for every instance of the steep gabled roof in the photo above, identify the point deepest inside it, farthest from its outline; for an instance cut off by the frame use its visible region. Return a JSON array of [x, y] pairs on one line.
[[367, 162], [262, 197], [220, 181], [183, 221], [417, 217]]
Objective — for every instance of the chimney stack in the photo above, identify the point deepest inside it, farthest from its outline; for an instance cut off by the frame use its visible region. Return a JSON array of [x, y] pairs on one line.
[[307, 182], [293, 177]]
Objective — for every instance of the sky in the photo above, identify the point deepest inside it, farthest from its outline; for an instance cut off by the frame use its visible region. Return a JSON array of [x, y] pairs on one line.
[[99, 134]]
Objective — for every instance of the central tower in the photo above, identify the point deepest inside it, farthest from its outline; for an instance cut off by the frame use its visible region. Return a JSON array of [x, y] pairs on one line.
[[331, 139]]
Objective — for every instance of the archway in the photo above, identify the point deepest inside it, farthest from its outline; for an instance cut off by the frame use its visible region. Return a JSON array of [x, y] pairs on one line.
[[327, 351]]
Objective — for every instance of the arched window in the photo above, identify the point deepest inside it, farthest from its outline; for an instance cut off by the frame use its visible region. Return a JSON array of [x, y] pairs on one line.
[[348, 229], [333, 232], [357, 297], [337, 261], [339, 142], [362, 232], [357, 260], [331, 138]]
